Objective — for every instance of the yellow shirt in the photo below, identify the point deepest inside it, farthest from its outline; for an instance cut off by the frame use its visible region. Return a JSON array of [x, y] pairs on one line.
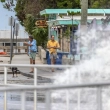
[[51, 43]]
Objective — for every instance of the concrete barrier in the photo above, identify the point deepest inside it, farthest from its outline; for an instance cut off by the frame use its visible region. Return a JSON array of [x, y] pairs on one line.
[[39, 51], [64, 60], [42, 54], [20, 49]]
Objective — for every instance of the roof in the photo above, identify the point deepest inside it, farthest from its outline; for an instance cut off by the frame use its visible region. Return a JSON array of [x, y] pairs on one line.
[[64, 11]]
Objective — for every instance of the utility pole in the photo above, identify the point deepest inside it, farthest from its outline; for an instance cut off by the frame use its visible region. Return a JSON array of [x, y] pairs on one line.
[[84, 11], [83, 28]]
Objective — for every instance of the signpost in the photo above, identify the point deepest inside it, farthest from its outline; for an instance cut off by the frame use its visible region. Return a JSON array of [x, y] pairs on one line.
[[14, 31], [11, 23]]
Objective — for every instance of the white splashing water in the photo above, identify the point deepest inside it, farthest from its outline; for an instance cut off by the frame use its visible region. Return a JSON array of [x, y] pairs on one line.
[[94, 69]]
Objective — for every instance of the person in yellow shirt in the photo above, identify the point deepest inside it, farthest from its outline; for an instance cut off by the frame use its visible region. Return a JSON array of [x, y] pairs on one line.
[[53, 45]]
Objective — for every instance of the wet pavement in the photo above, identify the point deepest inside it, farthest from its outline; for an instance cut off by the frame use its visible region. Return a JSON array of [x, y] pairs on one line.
[[24, 59], [45, 77]]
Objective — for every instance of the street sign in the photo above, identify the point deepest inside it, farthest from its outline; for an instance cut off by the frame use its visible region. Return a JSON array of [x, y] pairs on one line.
[[41, 23]]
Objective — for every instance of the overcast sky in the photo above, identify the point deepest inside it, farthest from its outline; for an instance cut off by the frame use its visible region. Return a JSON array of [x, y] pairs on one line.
[[4, 17]]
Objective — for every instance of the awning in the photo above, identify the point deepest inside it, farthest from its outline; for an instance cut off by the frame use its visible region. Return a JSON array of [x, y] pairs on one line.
[[64, 11]]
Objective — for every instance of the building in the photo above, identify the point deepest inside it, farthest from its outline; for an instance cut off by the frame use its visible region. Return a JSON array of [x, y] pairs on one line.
[[59, 20], [18, 46]]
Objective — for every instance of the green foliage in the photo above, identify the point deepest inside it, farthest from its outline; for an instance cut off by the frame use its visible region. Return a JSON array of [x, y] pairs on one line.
[[6, 6], [100, 4], [20, 13], [73, 13], [67, 32], [29, 23], [64, 4], [96, 4], [41, 35], [2, 0]]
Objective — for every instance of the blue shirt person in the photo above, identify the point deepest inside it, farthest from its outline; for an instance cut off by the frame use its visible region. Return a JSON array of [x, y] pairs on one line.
[[32, 49]]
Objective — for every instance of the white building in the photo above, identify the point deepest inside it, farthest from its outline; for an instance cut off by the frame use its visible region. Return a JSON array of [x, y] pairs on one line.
[[18, 46]]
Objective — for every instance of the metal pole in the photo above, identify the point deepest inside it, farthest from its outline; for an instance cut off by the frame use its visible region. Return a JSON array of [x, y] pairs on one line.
[[5, 94], [99, 99], [48, 100], [16, 33], [79, 81], [16, 44], [67, 93], [13, 36], [35, 92], [5, 75], [5, 100], [67, 100], [23, 100], [11, 41], [79, 95]]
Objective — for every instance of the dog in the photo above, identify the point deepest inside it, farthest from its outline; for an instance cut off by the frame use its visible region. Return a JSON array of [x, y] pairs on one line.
[[15, 70]]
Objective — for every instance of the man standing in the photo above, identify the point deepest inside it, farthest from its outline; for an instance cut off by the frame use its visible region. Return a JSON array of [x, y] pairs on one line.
[[32, 49], [53, 45]]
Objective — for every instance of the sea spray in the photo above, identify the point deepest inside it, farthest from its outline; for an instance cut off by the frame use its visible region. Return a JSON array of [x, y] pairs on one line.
[[94, 69]]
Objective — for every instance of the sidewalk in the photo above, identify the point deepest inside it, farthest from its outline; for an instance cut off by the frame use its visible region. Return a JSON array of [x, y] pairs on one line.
[[4, 60], [24, 59]]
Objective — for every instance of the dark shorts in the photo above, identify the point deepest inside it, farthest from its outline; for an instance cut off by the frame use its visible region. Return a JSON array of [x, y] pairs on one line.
[[53, 55]]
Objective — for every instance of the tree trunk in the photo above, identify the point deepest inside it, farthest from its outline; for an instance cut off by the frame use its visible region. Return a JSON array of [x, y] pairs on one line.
[[84, 11]]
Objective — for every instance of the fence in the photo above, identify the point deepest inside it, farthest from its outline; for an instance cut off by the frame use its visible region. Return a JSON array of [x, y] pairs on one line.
[[15, 87]]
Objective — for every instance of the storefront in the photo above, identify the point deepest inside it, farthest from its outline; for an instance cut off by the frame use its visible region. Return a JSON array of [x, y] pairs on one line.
[[60, 20]]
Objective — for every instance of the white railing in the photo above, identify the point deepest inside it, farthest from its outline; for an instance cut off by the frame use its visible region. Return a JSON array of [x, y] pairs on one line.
[[14, 87], [7, 33]]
